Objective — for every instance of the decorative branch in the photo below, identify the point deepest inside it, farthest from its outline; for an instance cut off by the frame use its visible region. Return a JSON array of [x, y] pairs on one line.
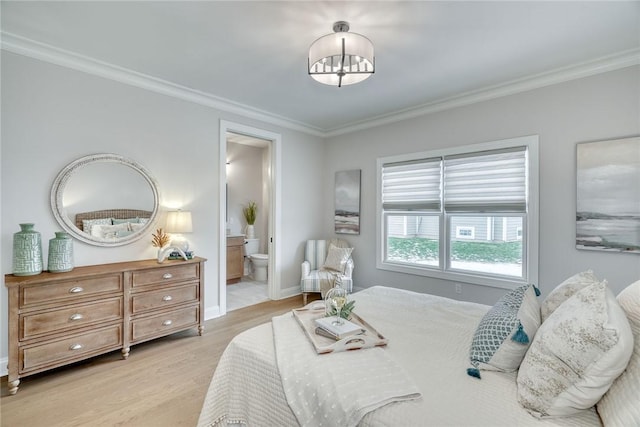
[[160, 239]]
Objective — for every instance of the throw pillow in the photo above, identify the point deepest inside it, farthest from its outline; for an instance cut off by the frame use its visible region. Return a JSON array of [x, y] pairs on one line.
[[565, 290], [87, 224], [619, 406], [505, 332], [577, 353], [337, 258]]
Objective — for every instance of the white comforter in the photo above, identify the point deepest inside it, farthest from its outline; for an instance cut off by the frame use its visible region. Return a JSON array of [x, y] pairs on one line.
[[429, 336]]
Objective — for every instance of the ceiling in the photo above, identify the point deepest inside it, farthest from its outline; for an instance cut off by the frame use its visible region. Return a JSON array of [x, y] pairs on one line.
[[254, 54]]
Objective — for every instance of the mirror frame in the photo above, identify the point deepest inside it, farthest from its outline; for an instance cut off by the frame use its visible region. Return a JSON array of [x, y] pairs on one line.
[[60, 183]]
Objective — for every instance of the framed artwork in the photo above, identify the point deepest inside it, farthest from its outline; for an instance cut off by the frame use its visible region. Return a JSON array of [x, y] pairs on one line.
[[347, 203], [608, 195]]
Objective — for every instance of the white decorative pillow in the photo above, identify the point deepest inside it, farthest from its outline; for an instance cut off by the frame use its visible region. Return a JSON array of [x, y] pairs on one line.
[[505, 332], [108, 231], [337, 258], [87, 224], [136, 227], [576, 354], [566, 290], [620, 406]]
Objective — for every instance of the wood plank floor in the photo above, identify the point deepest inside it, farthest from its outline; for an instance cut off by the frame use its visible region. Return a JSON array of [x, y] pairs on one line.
[[163, 383]]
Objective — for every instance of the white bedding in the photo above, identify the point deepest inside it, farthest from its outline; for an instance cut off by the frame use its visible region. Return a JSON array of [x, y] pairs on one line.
[[429, 336]]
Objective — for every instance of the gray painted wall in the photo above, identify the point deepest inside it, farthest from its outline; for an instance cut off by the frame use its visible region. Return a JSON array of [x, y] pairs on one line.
[[595, 108], [53, 115]]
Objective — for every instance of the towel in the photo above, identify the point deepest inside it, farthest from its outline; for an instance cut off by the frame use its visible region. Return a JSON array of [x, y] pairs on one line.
[[335, 389]]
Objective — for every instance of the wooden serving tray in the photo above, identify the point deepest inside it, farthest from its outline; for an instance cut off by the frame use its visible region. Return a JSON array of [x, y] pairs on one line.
[[306, 317]]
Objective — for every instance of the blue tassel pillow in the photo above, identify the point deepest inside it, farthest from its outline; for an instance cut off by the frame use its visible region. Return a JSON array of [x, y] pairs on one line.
[[505, 332]]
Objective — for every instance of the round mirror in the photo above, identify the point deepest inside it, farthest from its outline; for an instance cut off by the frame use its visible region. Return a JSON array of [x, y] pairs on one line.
[[105, 200]]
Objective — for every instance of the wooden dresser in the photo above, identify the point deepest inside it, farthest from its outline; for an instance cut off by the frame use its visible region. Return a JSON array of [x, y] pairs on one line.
[[60, 318]]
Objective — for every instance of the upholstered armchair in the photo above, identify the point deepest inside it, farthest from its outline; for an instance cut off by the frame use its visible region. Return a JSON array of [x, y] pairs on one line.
[[319, 272]]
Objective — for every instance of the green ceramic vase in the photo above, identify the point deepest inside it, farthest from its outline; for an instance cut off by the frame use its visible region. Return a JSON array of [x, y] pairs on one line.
[[60, 253], [27, 251]]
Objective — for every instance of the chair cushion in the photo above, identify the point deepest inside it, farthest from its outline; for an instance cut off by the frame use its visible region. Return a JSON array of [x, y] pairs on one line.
[[576, 355], [337, 258], [311, 283]]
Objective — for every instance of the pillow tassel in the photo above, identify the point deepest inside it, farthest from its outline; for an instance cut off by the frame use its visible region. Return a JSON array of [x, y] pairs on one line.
[[473, 372], [520, 335], [537, 290]]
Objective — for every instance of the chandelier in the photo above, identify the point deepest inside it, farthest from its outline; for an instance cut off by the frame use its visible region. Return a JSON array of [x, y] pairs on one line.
[[341, 58]]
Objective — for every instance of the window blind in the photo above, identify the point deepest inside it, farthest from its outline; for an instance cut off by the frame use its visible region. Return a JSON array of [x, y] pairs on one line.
[[491, 181], [412, 186]]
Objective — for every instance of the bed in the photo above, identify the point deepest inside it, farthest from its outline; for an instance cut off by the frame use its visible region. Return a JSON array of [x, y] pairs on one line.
[[247, 387], [110, 224]]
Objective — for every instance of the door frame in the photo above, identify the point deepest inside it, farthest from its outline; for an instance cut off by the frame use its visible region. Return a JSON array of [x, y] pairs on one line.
[[273, 242]]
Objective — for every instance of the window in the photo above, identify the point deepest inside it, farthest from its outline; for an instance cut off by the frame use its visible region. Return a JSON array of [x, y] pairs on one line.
[[465, 214], [465, 232]]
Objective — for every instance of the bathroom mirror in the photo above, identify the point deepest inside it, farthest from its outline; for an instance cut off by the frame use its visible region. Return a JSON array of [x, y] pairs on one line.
[[105, 200]]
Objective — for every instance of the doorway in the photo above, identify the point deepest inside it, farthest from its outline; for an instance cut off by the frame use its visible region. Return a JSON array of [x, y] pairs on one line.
[[240, 147]]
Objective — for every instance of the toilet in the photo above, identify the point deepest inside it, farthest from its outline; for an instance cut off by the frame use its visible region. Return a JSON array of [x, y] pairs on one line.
[[259, 262]]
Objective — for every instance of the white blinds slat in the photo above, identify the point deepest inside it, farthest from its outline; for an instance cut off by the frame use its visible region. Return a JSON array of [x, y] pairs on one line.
[[412, 185], [488, 181]]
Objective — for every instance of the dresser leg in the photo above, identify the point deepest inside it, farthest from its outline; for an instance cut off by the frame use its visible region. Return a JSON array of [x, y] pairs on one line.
[[13, 386], [200, 330], [125, 352]]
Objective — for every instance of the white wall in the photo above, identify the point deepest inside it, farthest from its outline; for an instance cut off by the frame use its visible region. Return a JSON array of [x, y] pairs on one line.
[[52, 115], [602, 107]]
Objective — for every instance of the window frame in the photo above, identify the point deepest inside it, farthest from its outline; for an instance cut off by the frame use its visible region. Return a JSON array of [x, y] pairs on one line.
[[530, 225]]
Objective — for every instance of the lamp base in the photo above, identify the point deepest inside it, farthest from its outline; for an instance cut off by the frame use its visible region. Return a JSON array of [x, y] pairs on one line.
[[180, 242]]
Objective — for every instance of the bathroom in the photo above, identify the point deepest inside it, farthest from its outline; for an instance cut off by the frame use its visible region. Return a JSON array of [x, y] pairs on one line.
[[248, 162]]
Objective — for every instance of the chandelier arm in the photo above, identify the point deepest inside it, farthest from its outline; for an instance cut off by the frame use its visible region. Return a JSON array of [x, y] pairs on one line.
[[341, 72]]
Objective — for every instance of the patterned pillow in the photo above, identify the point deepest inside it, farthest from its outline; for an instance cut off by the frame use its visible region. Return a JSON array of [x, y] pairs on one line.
[[619, 406], [505, 332], [565, 290], [576, 354], [87, 224], [337, 258]]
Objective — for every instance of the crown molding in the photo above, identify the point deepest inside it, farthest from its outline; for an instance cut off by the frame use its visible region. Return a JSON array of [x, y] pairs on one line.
[[44, 52], [604, 64]]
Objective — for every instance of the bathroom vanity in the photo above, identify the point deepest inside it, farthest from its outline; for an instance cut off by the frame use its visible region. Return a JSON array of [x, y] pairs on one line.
[[235, 258]]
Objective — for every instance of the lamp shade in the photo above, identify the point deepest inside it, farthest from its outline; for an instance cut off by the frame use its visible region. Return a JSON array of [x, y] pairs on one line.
[[179, 222], [341, 58]]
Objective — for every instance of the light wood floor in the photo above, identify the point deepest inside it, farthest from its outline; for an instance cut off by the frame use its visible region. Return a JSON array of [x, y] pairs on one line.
[[163, 383]]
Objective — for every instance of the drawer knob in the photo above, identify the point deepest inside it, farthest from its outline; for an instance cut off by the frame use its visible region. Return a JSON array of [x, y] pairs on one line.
[[75, 347], [167, 323], [76, 316], [76, 290], [167, 298], [167, 276]]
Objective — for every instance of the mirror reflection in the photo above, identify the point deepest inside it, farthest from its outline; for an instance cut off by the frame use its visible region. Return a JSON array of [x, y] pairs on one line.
[[105, 199]]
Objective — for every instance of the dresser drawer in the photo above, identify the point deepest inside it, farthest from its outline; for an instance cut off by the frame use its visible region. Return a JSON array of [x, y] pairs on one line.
[[76, 347], [163, 324], [168, 297], [40, 323], [70, 289], [165, 275]]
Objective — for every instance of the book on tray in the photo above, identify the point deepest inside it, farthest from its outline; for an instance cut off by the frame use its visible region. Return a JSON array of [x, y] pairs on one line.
[[325, 327], [176, 255]]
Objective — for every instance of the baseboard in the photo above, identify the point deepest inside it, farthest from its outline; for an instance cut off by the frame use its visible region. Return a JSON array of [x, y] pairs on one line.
[[289, 292], [3, 366], [212, 313]]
